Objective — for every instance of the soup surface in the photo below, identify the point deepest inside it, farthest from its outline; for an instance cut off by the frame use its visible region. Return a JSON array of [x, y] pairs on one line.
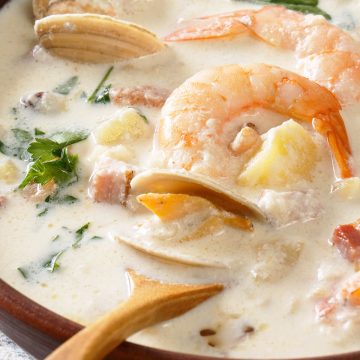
[[290, 286]]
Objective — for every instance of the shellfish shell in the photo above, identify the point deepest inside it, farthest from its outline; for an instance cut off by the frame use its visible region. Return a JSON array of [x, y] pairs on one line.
[[177, 182], [95, 38], [168, 255], [42, 8]]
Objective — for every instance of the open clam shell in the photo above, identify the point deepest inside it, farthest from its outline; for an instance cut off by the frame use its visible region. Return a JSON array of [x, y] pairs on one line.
[[95, 38], [43, 8], [167, 254], [172, 181]]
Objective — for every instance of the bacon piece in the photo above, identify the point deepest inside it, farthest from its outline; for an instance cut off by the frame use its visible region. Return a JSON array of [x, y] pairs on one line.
[[2, 201], [139, 95], [347, 240], [110, 181], [37, 192]]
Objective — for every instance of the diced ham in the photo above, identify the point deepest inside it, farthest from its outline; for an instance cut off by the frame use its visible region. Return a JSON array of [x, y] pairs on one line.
[[2, 201], [38, 193], [139, 95], [347, 240], [110, 181]]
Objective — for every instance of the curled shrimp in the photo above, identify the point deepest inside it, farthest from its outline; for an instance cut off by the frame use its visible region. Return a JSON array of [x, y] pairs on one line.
[[201, 117], [325, 53]]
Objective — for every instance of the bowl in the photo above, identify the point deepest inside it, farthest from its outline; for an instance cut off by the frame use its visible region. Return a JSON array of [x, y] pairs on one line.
[[39, 330]]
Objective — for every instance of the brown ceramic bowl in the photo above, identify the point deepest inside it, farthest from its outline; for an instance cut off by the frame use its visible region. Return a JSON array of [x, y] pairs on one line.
[[39, 330]]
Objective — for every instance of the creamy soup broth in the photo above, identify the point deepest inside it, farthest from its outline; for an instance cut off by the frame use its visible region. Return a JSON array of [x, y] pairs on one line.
[[268, 306]]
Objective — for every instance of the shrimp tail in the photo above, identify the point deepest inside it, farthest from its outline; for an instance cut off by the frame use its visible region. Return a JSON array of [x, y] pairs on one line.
[[208, 28], [337, 138]]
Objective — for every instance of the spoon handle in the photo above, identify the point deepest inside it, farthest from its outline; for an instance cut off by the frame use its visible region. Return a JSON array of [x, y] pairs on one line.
[[150, 302]]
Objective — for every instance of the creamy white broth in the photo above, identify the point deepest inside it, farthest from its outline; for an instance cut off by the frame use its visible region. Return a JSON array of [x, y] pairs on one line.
[[91, 279]]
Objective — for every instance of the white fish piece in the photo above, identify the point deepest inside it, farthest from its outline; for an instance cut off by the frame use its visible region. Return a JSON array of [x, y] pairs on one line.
[[166, 253], [181, 182], [94, 38]]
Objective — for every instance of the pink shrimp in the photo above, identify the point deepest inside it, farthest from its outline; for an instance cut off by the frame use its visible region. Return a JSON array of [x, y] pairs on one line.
[[193, 132], [325, 53]]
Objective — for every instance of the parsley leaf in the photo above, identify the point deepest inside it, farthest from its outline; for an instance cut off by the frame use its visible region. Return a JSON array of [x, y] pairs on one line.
[[51, 159], [22, 136], [38, 132], [53, 263], [42, 212], [103, 96], [304, 6], [66, 87], [23, 272], [79, 234], [96, 97]]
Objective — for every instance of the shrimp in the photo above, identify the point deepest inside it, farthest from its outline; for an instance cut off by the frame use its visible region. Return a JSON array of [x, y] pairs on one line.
[[199, 118], [324, 53]]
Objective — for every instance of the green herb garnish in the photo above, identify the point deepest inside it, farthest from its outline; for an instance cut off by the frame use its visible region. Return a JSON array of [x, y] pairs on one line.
[[3, 148], [51, 159], [53, 263], [43, 212], [79, 234], [55, 237], [141, 114], [67, 86], [38, 132], [22, 136], [23, 272], [96, 238], [94, 97], [103, 96], [304, 6]]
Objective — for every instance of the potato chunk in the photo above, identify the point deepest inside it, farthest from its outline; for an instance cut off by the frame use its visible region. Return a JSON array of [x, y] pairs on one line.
[[127, 126], [9, 173], [287, 155]]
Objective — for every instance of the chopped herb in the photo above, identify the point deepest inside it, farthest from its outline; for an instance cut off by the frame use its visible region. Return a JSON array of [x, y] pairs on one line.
[[38, 132], [96, 238], [66, 199], [141, 114], [79, 234], [53, 263], [66, 87], [22, 136], [304, 6], [3, 148], [43, 212], [55, 237], [23, 272], [93, 97], [51, 159], [103, 95]]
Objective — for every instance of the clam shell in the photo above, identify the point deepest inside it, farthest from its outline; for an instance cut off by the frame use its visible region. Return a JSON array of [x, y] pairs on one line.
[[43, 8], [95, 38], [172, 181], [168, 255]]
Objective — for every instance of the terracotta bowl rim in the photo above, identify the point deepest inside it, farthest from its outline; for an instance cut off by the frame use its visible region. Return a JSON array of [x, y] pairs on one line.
[[19, 306]]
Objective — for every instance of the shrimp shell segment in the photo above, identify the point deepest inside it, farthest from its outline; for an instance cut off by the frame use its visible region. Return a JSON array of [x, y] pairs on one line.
[[180, 182], [95, 38]]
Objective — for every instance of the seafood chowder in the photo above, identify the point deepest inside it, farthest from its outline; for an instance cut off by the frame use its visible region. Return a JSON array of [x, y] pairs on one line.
[[212, 141]]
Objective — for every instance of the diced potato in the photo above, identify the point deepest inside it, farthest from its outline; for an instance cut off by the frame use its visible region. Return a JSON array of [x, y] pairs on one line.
[[173, 206], [127, 126], [9, 173], [347, 189], [287, 155], [275, 258]]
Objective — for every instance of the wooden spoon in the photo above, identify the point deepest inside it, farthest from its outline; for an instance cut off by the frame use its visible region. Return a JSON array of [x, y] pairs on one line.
[[151, 302]]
